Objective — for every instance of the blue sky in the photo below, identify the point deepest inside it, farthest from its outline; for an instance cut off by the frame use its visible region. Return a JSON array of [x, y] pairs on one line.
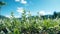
[[42, 6]]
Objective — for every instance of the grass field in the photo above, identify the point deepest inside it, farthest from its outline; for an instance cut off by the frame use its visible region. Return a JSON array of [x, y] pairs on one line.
[[29, 25]]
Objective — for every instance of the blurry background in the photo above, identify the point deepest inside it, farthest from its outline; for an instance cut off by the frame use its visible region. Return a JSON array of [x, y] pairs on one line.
[[44, 7]]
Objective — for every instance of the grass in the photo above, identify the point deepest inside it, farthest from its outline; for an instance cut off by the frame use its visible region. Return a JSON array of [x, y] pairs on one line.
[[29, 25]]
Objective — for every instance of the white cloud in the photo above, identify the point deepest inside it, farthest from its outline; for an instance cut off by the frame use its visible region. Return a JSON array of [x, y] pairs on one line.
[[17, 16], [23, 1], [45, 13], [42, 13], [20, 9], [14, 16], [7, 16], [49, 12], [17, 0]]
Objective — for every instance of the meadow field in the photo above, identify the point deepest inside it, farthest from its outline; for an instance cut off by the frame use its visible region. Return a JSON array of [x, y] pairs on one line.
[[29, 16], [29, 25]]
